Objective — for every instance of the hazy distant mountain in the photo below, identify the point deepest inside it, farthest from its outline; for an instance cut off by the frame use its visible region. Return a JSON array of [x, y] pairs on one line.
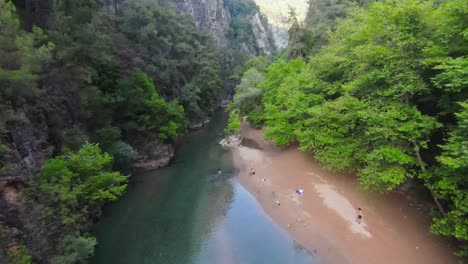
[[277, 10], [277, 13]]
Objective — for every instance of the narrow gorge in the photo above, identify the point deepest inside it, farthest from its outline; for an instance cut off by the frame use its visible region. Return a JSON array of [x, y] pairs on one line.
[[131, 76], [233, 131]]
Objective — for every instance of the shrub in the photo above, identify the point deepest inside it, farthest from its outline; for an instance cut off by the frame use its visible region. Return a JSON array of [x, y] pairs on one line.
[[124, 156], [233, 123]]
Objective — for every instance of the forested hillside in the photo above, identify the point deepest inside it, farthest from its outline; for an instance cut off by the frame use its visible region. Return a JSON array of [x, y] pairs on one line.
[[88, 88], [378, 90]]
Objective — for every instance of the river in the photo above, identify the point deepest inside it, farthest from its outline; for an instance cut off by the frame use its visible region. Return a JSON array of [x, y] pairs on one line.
[[187, 213]]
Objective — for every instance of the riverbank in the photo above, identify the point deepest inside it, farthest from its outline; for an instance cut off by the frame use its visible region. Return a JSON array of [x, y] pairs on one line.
[[323, 218], [188, 213]]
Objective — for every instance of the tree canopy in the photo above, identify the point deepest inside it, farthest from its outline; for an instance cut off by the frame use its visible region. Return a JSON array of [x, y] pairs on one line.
[[382, 94]]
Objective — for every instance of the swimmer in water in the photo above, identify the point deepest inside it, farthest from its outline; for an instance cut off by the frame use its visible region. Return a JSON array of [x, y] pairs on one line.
[[219, 171]]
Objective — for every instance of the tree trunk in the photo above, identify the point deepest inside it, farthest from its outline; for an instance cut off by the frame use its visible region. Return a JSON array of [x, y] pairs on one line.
[[423, 168]]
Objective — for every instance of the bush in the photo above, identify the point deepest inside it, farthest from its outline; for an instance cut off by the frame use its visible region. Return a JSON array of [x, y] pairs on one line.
[[124, 156], [73, 139], [107, 135], [75, 249], [68, 185], [19, 256], [233, 123], [142, 111]]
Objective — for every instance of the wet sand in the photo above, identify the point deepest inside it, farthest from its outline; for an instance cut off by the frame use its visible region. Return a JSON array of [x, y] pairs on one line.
[[323, 218]]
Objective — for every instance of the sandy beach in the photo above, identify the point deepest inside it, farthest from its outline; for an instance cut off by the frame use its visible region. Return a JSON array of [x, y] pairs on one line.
[[323, 219]]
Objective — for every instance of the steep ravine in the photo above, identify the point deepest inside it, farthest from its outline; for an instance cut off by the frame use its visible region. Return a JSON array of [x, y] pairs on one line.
[[37, 136]]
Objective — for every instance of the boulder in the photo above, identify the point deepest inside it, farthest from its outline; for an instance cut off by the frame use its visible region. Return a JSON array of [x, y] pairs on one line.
[[199, 124], [231, 141], [153, 155]]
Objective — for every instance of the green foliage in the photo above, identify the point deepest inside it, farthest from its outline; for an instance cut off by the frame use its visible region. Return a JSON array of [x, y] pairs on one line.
[[241, 7], [233, 123], [75, 249], [139, 70], [322, 17], [124, 156], [73, 139], [248, 95], [176, 55], [450, 182], [374, 97], [296, 43], [22, 57], [107, 135], [69, 185], [140, 110], [19, 256], [242, 44], [5, 155], [260, 63]]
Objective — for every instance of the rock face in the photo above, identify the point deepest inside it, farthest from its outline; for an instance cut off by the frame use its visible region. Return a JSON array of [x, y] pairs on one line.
[[232, 141], [210, 15], [153, 155], [260, 33]]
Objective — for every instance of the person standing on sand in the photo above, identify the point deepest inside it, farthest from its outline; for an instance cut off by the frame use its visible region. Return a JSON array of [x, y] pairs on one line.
[[252, 172], [359, 215]]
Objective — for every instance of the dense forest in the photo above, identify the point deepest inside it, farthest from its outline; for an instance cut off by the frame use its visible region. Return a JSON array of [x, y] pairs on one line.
[[377, 89], [84, 84]]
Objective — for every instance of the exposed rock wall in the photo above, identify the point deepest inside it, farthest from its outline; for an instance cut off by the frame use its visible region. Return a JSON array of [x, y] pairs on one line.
[[153, 154], [212, 16], [209, 15], [261, 35]]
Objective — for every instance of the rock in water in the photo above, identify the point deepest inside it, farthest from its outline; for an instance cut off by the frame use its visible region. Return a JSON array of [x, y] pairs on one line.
[[232, 141], [199, 124], [153, 155]]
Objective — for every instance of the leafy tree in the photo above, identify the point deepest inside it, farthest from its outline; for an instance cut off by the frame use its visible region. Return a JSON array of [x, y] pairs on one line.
[[78, 74], [296, 43], [124, 156], [233, 123], [449, 182], [75, 249], [375, 96], [69, 185], [141, 110], [175, 54], [106, 136], [323, 16], [22, 57], [248, 96], [73, 139]]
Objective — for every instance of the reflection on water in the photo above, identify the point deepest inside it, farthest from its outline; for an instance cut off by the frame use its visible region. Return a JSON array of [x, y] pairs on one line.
[[187, 213]]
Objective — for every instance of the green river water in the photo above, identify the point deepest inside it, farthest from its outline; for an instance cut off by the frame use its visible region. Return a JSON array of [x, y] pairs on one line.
[[186, 213]]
